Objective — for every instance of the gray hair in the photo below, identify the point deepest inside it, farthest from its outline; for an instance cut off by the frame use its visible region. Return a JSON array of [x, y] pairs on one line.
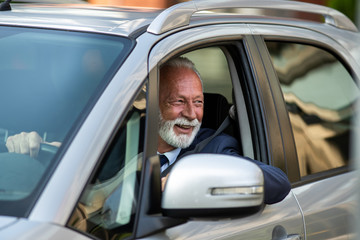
[[182, 62]]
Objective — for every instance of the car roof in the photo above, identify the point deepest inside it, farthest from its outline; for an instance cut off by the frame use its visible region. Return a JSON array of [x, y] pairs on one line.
[[128, 20], [79, 17]]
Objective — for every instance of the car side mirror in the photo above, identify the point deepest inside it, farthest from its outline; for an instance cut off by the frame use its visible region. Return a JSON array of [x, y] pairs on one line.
[[213, 185]]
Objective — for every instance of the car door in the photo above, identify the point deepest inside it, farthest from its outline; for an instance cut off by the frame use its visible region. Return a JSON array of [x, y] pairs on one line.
[[252, 98], [317, 77]]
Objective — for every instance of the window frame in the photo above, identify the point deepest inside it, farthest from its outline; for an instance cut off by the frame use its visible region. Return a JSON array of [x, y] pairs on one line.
[[234, 61], [161, 52], [274, 123], [107, 150]]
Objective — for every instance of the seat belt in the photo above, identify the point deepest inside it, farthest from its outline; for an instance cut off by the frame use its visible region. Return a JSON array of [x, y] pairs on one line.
[[204, 142]]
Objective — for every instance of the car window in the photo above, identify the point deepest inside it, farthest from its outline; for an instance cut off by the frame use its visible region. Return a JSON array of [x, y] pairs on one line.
[[213, 64], [107, 206], [48, 80], [52, 74], [213, 67], [320, 94]]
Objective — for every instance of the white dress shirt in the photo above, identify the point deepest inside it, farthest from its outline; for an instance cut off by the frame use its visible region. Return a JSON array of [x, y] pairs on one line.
[[171, 156]]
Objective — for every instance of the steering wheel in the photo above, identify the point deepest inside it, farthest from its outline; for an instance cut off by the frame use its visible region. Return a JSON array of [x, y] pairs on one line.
[[46, 153], [20, 174], [47, 148]]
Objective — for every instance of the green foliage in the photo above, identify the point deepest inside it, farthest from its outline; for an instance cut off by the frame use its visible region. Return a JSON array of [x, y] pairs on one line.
[[348, 7]]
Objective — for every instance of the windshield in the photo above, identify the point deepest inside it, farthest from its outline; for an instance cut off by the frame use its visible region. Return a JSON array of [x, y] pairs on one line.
[[47, 79]]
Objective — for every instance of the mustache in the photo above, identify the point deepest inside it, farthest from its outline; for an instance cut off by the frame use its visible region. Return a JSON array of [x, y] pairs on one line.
[[184, 121], [178, 121], [166, 131]]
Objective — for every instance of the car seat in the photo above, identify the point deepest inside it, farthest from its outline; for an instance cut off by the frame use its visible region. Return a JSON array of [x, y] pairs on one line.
[[216, 109]]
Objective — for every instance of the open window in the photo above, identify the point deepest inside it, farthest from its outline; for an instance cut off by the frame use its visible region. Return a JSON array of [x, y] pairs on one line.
[[222, 80], [197, 196]]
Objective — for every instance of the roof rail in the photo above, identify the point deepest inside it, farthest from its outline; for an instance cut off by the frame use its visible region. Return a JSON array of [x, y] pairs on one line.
[[179, 15]]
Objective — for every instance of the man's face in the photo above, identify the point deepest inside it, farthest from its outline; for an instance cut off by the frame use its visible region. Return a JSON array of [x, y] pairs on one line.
[[181, 105]]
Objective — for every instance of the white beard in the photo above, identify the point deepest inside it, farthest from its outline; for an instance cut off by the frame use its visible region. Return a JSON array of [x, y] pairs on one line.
[[167, 133]]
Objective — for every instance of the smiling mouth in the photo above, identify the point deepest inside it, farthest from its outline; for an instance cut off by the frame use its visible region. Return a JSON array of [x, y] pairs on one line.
[[184, 126], [184, 129]]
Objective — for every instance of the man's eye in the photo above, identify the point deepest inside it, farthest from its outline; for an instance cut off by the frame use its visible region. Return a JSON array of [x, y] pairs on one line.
[[199, 103], [178, 102]]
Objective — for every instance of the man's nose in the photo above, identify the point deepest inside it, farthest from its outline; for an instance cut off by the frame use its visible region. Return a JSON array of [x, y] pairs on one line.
[[189, 111]]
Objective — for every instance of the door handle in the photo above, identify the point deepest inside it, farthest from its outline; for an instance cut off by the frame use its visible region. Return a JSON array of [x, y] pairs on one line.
[[293, 237], [279, 233]]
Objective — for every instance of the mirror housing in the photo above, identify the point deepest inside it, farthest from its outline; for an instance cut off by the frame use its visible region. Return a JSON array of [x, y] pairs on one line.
[[213, 185]]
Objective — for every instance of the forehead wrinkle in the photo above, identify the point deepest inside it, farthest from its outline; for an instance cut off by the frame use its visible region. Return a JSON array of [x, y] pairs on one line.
[[173, 78]]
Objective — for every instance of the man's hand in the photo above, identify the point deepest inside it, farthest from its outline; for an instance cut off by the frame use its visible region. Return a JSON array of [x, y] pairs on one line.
[[24, 143]]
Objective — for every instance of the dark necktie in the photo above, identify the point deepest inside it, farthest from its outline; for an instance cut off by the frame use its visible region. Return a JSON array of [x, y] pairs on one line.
[[163, 160]]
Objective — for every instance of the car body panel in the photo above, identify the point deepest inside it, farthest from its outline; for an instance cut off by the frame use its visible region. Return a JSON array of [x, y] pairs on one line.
[[310, 192], [244, 228], [180, 14], [341, 44], [78, 17], [206, 34], [285, 214], [329, 207], [312, 210], [25, 229], [6, 221]]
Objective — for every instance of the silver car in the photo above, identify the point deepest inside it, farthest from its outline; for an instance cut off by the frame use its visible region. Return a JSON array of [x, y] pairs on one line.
[[86, 77]]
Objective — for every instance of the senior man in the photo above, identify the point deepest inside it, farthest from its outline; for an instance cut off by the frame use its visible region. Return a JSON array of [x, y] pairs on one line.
[[181, 102]]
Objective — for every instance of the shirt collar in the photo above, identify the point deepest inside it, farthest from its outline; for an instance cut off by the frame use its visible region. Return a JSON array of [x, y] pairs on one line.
[[171, 156]]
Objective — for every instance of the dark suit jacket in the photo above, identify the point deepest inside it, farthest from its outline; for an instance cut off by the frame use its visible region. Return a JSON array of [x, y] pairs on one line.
[[277, 185]]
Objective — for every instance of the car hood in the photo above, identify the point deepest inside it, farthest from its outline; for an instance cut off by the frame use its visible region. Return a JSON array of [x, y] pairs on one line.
[[6, 221], [12, 228]]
